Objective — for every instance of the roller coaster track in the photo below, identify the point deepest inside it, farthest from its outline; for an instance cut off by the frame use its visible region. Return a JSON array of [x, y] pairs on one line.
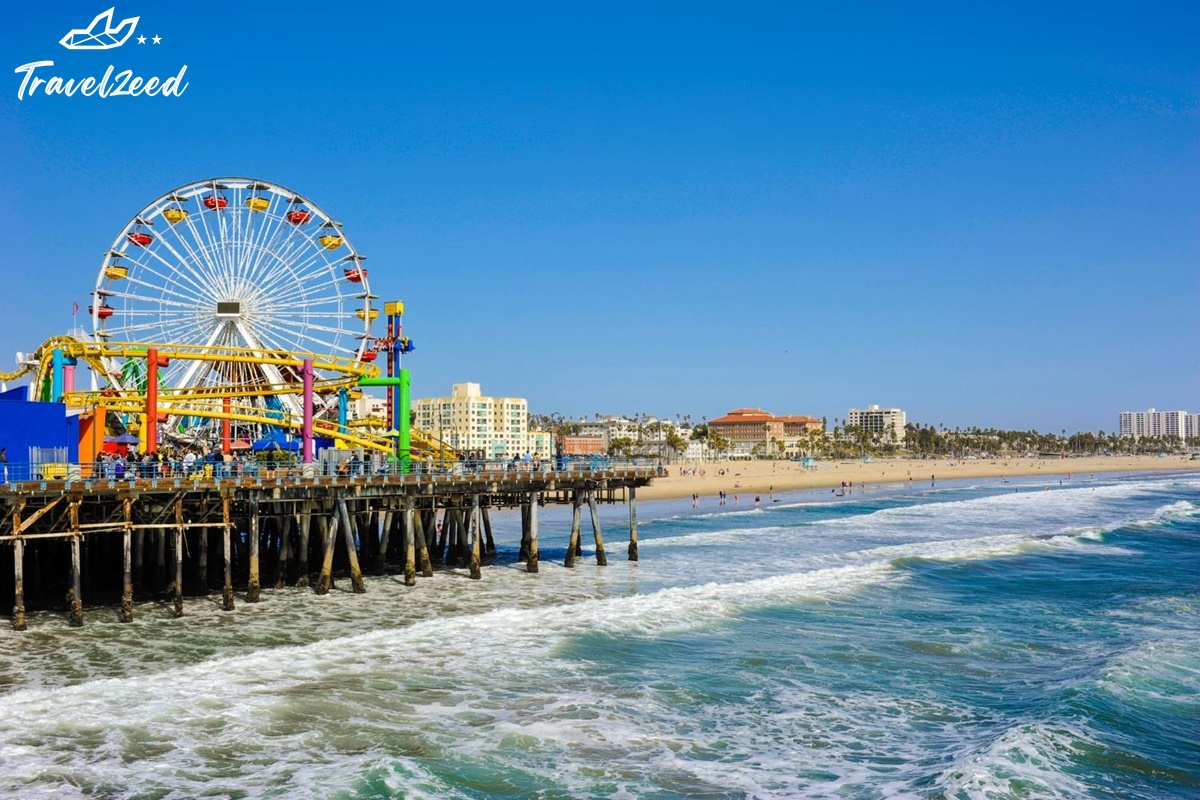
[[209, 401]]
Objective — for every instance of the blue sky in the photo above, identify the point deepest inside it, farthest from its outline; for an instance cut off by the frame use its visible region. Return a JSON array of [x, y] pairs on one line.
[[983, 214]]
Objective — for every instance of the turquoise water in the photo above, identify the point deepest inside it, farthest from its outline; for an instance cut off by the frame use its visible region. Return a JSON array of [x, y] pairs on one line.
[[999, 640]]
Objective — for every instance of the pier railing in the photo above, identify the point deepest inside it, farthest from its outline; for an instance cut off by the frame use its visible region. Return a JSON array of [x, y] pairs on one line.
[[16, 476]]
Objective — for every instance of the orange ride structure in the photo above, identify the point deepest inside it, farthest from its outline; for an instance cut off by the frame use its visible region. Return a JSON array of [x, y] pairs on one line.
[[232, 308]]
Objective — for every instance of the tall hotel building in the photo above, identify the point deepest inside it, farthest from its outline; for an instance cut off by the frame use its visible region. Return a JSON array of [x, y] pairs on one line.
[[487, 427], [888, 422], [1171, 424]]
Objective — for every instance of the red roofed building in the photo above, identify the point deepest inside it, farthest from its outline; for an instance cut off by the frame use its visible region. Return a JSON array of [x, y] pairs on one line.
[[747, 427]]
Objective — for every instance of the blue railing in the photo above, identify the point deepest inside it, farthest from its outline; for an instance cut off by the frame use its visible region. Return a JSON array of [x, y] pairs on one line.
[[335, 469]]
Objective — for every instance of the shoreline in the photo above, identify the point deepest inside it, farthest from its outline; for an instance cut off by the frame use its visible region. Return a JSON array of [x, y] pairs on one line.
[[748, 478]]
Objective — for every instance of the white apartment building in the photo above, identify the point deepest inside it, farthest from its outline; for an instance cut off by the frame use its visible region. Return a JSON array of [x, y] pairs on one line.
[[367, 406], [888, 422], [1172, 424], [488, 427]]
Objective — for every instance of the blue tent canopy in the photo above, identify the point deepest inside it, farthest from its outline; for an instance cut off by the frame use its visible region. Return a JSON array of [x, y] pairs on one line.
[[275, 444]]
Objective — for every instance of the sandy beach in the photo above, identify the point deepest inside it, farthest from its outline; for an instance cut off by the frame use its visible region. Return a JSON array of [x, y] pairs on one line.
[[750, 478]]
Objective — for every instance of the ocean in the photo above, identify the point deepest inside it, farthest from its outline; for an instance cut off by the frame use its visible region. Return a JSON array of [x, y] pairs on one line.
[[1021, 639]]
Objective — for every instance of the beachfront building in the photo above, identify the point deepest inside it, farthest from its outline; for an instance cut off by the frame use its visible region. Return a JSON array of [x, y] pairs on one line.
[[752, 430], [485, 427], [638, 435], [888, 423], [1153, 423]]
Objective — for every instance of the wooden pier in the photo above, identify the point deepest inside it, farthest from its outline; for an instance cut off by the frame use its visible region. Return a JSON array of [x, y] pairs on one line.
[[170, 538]]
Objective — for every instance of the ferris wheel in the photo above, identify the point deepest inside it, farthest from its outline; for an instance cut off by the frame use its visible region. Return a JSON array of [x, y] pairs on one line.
[[236, 263]]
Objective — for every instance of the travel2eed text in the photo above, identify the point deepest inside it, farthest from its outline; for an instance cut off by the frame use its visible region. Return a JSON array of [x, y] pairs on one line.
[[123, 84]]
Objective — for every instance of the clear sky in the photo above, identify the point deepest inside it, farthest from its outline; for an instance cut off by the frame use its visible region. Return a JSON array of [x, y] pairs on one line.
[[983, 214]]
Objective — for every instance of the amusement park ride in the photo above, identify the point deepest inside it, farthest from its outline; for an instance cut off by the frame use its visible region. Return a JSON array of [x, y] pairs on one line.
[[232, 309]]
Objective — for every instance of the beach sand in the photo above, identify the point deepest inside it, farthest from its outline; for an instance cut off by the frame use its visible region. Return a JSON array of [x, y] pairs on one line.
[[750, 478]]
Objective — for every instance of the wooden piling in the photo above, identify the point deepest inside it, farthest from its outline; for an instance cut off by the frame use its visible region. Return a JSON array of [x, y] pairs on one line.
[[76, 601], [487, 531], [18, 582], [573, 540], [227, 535], [139, 552], [532, 564], [475, 534], [410, 544], [356, 578], [329, 532], [456, 546], [633, 543], [160, 560], [253, 587], [383, 520], [177, 589], [285, 548], [18, 570], [304, 521], [601, 559], [439, 549], [202, 562], [523, 550], [420, 533], [127, 561], [75, 595]]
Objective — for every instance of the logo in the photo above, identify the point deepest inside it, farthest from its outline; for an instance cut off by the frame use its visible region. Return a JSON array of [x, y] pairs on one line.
[[93, 37], [100, 35]]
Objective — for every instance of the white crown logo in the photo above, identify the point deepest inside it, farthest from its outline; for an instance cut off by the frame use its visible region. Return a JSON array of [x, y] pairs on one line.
[[95, 37]]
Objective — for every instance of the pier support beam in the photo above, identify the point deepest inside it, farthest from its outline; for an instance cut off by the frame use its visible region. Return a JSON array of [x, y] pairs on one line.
[[601, 559], [475, 532], [18, 584], [177, 589], [422, 537], [329, 532], [18, 568], [127, 561], [356, 578], [227, 534], [283, 528], [573, 541], [410, 544], [384, 519], [253, 588], [633, 543], [75, 596], [202, 560], [532, 564], [487, 532], [305, 523], [523, 552]]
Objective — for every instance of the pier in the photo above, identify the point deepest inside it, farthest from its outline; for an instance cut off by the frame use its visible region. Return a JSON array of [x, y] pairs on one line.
[[176, 537]]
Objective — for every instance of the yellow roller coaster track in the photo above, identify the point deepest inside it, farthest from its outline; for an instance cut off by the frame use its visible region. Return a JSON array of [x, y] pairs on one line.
[[207, 402]]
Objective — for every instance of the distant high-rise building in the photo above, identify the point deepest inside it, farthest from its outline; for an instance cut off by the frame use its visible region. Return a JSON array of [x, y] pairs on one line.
[[1171, 424], [888, 422]]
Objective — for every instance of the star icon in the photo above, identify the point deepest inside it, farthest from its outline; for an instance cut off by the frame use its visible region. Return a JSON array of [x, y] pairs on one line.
[[157, 40], [141, 40]]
